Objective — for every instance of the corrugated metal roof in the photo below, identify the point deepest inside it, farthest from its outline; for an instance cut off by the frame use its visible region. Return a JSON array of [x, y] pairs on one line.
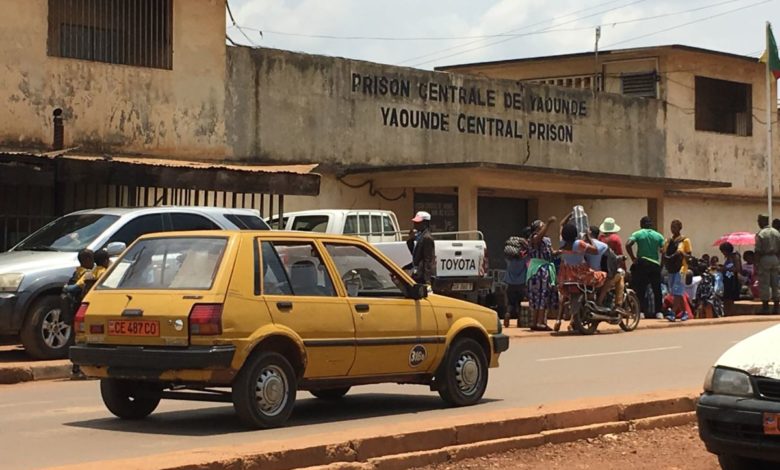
[[169, 163]]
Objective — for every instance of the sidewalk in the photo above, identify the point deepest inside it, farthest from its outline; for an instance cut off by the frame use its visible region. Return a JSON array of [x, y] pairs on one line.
[[16, 367], [645, 324]]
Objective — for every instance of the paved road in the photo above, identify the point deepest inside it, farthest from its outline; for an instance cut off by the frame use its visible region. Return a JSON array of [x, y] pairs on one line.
[[64, 422]]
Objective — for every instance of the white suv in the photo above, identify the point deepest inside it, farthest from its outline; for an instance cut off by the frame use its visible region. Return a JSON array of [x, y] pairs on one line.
[[33, 272]]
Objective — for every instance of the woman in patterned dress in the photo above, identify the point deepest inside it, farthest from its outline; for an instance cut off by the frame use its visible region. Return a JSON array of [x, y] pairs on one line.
[[542, 290]]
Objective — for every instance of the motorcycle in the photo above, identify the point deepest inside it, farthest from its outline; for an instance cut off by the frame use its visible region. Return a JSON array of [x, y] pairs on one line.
[[585, 315]]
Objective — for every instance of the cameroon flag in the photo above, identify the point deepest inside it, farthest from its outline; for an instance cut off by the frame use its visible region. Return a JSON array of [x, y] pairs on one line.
[[770, 54]]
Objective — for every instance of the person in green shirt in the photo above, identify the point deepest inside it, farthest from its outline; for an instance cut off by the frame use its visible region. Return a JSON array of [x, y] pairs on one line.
[[646, 265]]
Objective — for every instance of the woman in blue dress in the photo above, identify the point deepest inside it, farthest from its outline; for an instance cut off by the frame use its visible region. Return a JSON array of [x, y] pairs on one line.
[[542, 290]]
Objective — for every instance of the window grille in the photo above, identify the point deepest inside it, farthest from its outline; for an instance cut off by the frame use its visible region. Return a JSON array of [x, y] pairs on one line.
[[129, 32], [723, 106], [639, 84]]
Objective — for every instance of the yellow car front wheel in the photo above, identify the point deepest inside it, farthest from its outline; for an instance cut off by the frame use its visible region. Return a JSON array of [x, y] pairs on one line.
[[462, 377]]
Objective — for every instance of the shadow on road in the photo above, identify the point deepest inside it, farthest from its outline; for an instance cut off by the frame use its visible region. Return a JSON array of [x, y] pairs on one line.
[[219, 420], [13, 353]]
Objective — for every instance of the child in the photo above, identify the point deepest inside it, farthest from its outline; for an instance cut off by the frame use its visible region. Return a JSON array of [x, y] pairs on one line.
[[708, 301], [749, 271], [102, 261], [73, 289], [732, 268]]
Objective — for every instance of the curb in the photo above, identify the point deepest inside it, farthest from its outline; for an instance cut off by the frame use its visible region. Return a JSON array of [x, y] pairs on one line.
[[647, 324], [49, 370], [445, 440]]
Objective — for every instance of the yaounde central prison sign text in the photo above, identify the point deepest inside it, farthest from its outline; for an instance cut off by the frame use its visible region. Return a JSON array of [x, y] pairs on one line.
[[491, 107]]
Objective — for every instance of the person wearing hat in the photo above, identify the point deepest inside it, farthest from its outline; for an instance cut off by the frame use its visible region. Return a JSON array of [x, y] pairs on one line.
[[609, 234], [421, 246]]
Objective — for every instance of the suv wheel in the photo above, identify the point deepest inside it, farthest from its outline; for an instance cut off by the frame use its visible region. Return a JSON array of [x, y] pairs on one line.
[[264, 391], [130, 399], [330, 393], [47, 332], [463, 375]]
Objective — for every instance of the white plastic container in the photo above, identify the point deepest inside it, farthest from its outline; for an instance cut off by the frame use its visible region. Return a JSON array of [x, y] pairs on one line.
[[580, 220]]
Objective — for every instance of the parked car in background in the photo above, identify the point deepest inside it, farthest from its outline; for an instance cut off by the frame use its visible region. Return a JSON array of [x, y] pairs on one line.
[[461, 257], [33, 272], [253, 317], [739, 411]]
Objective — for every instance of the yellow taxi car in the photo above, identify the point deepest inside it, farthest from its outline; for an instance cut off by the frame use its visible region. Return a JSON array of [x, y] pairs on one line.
[[253, 317]]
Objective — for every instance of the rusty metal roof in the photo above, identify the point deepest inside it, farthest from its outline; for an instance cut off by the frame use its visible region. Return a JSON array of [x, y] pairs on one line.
[[227, 176]]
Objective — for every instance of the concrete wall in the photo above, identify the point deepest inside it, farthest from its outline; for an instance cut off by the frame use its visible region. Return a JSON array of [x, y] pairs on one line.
[[689, 153], [295, 107], [710, 155], [336, 195], [116, 108]]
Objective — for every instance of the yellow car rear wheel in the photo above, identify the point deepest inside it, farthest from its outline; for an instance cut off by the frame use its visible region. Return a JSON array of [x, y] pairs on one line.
[[264, 391]]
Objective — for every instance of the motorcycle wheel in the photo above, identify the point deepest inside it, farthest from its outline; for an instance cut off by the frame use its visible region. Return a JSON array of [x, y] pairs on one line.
[[631, 306], [578, 311]]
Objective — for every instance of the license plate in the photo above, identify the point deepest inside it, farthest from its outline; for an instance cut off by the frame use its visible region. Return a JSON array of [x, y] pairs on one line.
[[133, 328], [771, 423], [462, 286]]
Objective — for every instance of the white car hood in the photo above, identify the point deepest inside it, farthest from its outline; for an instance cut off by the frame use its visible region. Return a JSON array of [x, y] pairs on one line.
[[757, 355], [27, 262]]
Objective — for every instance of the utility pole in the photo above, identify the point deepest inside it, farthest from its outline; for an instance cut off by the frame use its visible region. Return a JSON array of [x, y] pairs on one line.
[[597, 76]]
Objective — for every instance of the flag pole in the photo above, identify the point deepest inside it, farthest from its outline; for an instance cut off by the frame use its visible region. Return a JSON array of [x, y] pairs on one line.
[[768, 128]]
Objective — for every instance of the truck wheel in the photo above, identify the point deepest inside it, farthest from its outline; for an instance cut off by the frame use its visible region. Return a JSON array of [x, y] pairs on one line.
[[735, 462], [330, 393], [264, 391], [463, 375], [130, 399], [46, 334]]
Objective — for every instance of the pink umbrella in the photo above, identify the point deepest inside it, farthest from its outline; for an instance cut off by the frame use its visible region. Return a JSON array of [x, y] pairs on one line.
[[737, 239]]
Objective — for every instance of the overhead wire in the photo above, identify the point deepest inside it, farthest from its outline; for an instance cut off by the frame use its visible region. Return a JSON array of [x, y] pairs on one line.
[[688, 23], [513, 38], [508, 34], [235, 24], [522, 28]]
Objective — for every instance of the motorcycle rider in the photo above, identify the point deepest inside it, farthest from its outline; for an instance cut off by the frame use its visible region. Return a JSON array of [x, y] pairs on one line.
[[609, 263], [574, 264]]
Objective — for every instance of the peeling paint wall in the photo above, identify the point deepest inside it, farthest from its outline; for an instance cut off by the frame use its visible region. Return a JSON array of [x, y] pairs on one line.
[[710, 155], [116, 108], [688, 153], [293, 107]]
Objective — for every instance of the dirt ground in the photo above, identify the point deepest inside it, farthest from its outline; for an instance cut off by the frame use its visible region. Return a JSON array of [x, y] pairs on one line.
[[669, 449]]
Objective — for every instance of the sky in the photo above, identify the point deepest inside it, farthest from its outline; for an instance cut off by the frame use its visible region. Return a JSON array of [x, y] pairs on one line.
[[429, 33]]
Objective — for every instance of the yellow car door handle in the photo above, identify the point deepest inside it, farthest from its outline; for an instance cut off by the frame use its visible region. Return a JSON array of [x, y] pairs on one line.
[[362, 308], [284, 305]]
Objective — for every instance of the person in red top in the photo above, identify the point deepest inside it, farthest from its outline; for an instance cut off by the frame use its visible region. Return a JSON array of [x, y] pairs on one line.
[[609, 235]]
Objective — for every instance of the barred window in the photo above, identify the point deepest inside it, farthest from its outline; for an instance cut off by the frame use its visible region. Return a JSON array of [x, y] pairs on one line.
[[129, 32], [723, 106]]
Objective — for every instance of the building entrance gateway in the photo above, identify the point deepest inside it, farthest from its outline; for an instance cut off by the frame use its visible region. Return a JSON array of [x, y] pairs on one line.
[[498, 219]]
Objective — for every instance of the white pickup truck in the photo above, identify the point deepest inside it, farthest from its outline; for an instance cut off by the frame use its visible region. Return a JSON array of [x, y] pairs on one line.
[[461, 257]]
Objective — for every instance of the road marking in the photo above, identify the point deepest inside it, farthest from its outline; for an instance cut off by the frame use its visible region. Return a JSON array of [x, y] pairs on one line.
[[615, 353]]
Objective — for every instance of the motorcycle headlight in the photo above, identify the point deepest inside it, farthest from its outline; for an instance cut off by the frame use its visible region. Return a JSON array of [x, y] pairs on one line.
[[728, 382], [10, 282]]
